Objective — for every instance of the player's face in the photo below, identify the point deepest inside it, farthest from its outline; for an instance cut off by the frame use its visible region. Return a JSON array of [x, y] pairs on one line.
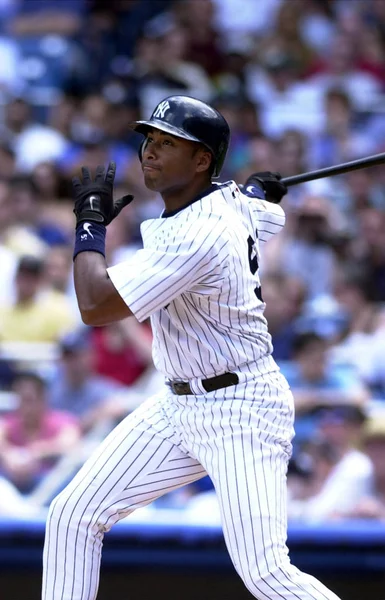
[[170, 162]]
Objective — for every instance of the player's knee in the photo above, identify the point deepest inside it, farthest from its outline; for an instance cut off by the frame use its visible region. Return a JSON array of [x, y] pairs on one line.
[[63, 507], [73, 509], [58, 505]]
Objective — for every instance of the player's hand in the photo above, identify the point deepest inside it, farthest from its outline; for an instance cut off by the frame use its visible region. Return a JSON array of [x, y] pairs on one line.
[[271, 184], [94, 199]]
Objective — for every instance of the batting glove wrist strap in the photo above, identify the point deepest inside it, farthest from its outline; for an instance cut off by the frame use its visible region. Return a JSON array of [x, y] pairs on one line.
[[90, 237]]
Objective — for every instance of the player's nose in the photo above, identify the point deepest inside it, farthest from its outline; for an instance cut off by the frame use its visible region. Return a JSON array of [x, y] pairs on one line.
[[150, 150]]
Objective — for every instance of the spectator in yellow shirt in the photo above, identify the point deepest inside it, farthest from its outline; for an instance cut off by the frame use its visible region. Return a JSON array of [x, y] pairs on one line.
[[36, 314]]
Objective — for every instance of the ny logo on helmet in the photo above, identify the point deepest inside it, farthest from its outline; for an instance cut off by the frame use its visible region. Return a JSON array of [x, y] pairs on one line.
[[161, 109]]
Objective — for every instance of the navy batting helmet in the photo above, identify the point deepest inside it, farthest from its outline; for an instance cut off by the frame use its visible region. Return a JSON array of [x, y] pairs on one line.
[[192, 120]]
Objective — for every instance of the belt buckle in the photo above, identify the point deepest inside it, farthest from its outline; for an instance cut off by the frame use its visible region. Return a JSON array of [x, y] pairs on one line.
[[181, 388]]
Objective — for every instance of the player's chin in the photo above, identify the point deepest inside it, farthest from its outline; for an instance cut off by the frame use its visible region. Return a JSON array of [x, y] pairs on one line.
[[151, 179]]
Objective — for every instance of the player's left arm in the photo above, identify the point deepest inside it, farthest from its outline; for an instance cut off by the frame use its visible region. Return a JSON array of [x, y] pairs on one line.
[[98, 300], [266, 185], [265, 191]]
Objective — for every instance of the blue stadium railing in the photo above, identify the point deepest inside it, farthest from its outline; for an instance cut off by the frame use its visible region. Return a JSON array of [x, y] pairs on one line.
[[338, 547]]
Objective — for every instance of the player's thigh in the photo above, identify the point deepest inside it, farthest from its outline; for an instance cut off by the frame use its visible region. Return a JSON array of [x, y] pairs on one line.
[[250, 454], [136, 463]]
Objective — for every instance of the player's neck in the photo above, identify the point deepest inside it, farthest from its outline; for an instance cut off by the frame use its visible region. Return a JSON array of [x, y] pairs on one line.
[[178, 197]]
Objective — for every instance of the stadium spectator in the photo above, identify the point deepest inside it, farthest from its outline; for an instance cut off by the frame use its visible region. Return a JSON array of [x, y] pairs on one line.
[[284, 298], [57, 271], [33, 436], [160, 67], [306, 251], [285, 101], [316, 381], [258, 154], [341, 70], [7, 160], [122, 241], [364, 349], [7, 256], [352, 289], [286, 38], [122, 351], [127, 20], [373, 505], [53, 219], [299, 93], [35, 314], [60, 115], [369, 251], [292, 147], [75, 386], [255, 18], [340, 474], [340, 138], [356, 192], [371, 52], [246, 138], [21, 235], [10, 81], [31, 141], [317, 26], [30, 218], [89, 142], [50, 184], [51, 17], [204, 45]]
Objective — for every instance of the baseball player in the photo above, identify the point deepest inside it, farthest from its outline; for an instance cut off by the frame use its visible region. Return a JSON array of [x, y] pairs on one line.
[[225, 409]]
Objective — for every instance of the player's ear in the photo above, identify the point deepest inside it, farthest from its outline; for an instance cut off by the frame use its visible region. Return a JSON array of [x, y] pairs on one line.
[[204, 159]]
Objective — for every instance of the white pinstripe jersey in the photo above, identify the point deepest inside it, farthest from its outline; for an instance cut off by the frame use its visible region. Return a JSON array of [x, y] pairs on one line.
[[197, 279]]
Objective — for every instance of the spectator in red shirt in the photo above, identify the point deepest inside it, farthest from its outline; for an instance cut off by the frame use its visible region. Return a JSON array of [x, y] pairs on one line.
[[122, 350]]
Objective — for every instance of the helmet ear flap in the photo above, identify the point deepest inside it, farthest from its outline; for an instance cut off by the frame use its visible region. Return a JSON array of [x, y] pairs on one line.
[[142, 149]]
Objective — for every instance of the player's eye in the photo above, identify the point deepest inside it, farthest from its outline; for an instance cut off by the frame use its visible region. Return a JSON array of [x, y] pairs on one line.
[[167, 142]]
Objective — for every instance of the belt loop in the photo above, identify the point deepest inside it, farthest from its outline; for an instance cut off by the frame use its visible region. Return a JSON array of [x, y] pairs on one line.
[[197, 387]]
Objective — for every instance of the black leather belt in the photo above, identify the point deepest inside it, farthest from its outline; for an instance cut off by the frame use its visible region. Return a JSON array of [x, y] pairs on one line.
[[182, 388]]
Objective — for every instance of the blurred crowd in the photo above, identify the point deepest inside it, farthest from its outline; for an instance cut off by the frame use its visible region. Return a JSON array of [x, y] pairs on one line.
[[302, 85]]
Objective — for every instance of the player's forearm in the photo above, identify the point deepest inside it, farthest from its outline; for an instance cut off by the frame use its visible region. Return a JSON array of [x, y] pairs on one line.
[[99, 302]]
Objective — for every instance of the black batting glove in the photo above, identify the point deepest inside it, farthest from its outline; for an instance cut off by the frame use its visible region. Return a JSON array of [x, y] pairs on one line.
[[271, 184], [93, 199]]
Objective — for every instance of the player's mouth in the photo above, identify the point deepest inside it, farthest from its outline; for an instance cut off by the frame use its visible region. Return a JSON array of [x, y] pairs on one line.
[[149, 167]]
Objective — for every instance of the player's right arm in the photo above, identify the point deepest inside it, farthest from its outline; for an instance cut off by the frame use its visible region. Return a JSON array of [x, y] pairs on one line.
[[98, 300], [188, 259]]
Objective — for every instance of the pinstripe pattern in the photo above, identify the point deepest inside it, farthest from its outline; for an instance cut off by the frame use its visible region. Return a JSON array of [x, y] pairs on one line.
[[193, 279], [243, 439], [138, 462], [240, 436], [196, 280]]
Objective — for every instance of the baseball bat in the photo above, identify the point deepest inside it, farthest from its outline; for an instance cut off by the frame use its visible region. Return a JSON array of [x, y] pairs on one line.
[[353, 165]]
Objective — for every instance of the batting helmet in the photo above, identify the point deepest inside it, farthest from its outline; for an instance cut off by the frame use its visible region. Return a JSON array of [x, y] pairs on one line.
[[192, 120]]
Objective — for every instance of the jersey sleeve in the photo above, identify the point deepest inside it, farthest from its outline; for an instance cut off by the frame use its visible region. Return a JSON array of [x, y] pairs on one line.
[[268, 218], [152, 278]]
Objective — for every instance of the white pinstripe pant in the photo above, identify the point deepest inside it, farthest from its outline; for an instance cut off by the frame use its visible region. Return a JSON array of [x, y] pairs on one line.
[[240, 436]]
